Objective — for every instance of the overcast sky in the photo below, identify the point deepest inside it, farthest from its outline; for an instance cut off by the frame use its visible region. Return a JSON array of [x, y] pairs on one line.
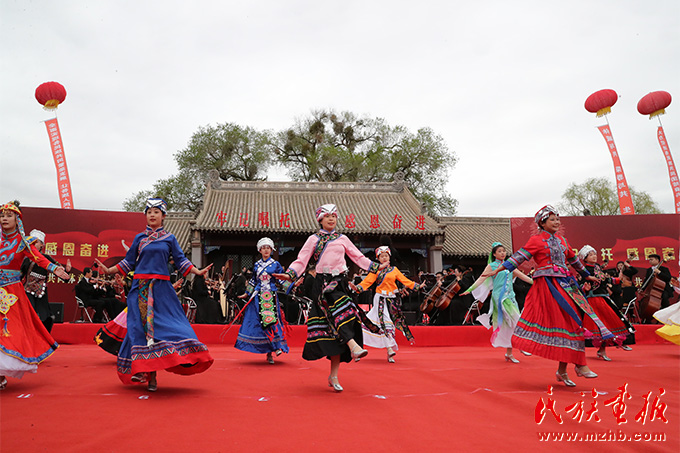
[[504, 83]]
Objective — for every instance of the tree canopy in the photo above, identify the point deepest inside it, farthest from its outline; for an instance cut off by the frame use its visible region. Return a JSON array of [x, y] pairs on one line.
[[328, 146], [597, 196], [324, 146]]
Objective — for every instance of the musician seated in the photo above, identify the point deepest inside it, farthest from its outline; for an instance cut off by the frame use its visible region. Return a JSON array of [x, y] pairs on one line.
[[661, 273], [461, 304], [628, 289]]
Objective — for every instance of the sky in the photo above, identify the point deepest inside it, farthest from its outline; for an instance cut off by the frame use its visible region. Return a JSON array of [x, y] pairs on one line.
[[504, 83]]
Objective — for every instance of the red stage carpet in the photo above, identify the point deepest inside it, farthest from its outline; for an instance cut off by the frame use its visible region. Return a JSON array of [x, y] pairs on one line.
[[79, 333], [433, 399]]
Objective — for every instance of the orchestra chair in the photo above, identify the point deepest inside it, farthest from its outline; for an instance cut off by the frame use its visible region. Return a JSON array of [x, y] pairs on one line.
[[81, 309], [304, 305], [191, 309], [634, 316], [468, 316]]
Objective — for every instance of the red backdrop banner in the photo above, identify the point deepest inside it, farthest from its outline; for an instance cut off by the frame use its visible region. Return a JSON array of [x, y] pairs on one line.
[[81, 236], [614, 237], [63, 180], [625, 200]]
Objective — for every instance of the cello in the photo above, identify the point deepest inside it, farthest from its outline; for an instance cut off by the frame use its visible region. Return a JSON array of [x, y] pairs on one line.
[[650, 294], [432, 296], [450, 292]]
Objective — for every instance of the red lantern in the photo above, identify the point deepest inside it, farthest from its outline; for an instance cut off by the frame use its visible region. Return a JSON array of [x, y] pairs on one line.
[[601, 102], [654, 103], [50, 95]]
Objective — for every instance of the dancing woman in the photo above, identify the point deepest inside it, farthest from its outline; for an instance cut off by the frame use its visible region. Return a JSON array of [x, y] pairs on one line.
[[603, 306], [333, 330], [262, 328], [24, 340], [34, 278], [386, 310], [159, 336], [550, 325], [503, 310]]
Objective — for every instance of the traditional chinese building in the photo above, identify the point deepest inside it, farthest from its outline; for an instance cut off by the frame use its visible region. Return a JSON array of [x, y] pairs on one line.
[[235, 214], [468, 239]]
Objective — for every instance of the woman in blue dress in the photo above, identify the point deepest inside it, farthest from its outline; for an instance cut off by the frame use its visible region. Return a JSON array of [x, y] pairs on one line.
[[262, 328], [159, 336]]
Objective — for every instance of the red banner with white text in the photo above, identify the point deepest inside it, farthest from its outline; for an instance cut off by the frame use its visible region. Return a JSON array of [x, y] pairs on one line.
[[625, 200], [672, 173], [63, 180]]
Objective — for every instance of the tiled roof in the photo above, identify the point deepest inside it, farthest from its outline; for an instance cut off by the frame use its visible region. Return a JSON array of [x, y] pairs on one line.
[[179, 224], [226, 204], [473, 236]]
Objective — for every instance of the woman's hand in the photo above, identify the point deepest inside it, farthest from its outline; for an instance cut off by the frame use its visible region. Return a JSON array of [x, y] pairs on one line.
[[61, 273], [67, 268], [203, 271], [101, 267], [494, 272], [242, 296], [353, 287], [282, 277]]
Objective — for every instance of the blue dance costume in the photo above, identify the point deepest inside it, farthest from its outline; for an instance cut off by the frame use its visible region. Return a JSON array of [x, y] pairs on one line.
[[262, 328], [159, 336]]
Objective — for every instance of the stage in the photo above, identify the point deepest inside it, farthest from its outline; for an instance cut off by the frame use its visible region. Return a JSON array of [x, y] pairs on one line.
[[426, 336], [440, 395]]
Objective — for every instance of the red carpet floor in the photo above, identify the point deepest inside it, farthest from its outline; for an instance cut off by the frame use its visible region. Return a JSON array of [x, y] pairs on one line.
[[433, 399]]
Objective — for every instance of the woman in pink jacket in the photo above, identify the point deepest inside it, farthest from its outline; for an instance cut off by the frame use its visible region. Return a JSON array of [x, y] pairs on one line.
[[333, 328]]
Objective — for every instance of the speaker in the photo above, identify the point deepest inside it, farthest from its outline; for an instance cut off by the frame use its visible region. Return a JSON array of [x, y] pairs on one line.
[[57, 309]]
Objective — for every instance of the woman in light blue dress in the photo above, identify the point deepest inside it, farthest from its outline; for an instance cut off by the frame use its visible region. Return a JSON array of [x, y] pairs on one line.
[[503, 311]]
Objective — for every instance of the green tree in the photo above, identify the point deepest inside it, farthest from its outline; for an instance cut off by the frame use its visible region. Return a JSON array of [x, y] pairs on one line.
[[236, 152], [327, 146], [597, 196]]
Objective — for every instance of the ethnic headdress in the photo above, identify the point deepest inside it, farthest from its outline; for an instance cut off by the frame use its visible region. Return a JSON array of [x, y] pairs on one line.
[[39, 235], [585, 250], [156, 203], [265, 241], [544, 213], [382, 249], [491, 257], [324, 210], [10, 206]]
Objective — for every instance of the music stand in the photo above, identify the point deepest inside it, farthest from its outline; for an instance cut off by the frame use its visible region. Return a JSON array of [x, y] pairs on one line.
[[468, 316]]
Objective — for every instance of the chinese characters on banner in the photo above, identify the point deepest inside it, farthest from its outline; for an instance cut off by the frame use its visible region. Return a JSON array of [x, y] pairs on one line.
[[672, 172], [264, 220], [63, 181], [625, 200], [81, 253]]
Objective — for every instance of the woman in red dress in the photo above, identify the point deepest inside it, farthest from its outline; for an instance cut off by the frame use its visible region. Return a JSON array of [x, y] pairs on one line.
[[24, 341], [598, 298], [551, 324]]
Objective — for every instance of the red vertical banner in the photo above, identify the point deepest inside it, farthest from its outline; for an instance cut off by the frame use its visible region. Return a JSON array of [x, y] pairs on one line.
[[672, 172], [63, 180], [625, 200]]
